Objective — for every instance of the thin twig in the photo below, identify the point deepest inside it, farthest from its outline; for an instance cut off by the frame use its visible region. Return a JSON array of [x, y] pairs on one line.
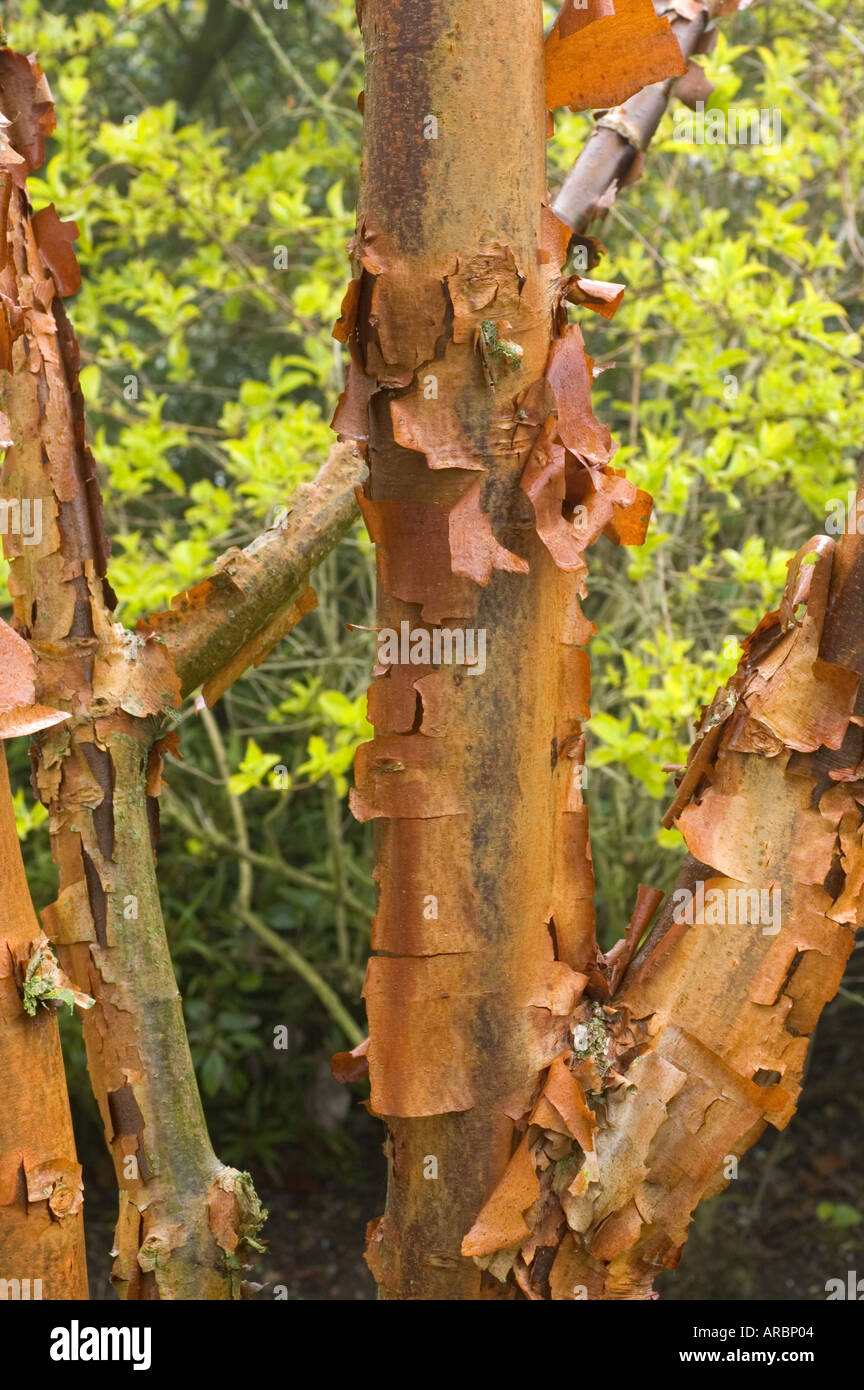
[[329, 998], [289, 67], [299, 878], [835, 23], [235, 806]]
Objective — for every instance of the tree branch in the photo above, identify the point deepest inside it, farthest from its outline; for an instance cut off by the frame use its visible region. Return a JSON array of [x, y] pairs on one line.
[[608, 156], [255, 596]]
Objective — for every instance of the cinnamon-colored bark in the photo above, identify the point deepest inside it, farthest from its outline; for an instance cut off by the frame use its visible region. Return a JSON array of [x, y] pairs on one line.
[[705, 1042], [474, 395], [185, 1220], [552, 1116], [41, 1217]]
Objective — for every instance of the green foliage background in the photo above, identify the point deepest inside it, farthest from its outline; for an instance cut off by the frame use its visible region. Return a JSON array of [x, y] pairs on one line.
[[209, 152]]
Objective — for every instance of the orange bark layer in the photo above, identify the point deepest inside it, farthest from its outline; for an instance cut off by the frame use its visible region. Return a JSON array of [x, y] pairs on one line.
[[604, 62], [705, 1042], [41, 1216], [489, 476], [183, 1217]]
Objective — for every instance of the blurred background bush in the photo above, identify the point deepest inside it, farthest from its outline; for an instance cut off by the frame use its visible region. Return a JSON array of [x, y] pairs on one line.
[[209, 152]]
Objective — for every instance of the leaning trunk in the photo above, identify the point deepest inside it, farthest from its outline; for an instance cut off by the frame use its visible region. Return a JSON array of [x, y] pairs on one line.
[[185, 1221], [41, 1216]]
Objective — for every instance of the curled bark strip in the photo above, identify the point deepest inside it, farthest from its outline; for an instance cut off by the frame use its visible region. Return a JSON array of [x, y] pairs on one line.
[[501, 1224], [474, 551], [55, 241], [406, 532], [353, 1065], [544, 482], [19, 712], [406, 776], [694, 86], [569, 376], [602, 296], [422, 425], [574, 16], [612, 967], [607, 161], [605, 62], [29, 110], [351, 417]]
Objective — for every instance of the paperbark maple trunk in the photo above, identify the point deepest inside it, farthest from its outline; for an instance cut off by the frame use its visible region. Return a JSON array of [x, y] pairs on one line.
[[471, 390], [707, 1037], [725, 994], [547, 1123], [184, 1219], [41, 1217]]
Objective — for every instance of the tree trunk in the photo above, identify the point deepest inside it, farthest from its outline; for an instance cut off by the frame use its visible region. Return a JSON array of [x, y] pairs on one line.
[[484, 923], [185, 1221], [705, 1042], [550, 1129], [41, 1216]]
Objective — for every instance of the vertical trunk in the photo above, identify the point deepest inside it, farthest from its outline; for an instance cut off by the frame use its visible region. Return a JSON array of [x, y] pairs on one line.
[[484, 923], [185, 1220], [41, 1216], [444, 221]]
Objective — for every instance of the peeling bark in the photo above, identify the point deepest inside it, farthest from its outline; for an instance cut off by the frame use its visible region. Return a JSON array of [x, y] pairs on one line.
[[705, 1042], [41, 1216], [604, 61], [463, 365], [174, 1239], [614, 154], [552, 1116]]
